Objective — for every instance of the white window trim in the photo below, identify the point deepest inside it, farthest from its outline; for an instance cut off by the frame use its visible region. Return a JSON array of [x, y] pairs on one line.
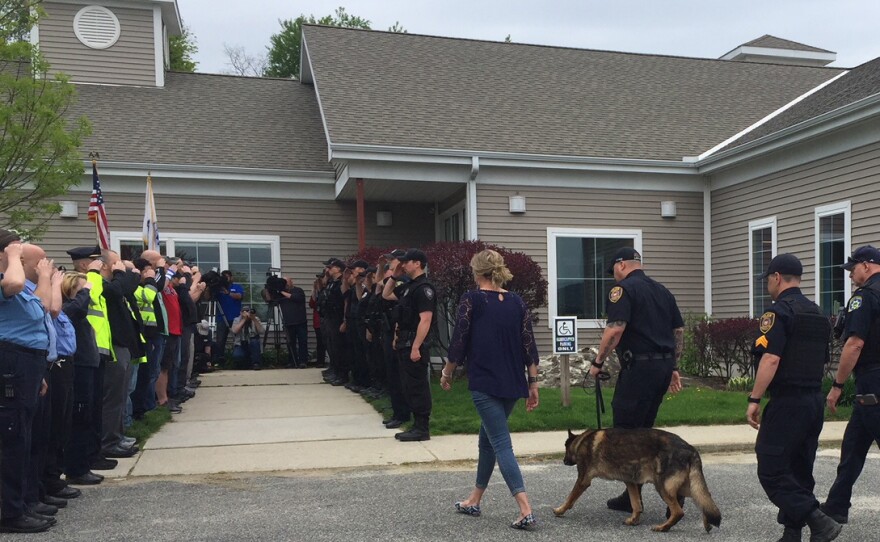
[[759, 225], [844, 207], [594, 233], [223, 239], [460, 209]]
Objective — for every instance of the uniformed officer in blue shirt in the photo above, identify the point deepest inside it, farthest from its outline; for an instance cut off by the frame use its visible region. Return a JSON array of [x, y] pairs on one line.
[[646, 329], [860, 355], [792, 351], [24, 349]]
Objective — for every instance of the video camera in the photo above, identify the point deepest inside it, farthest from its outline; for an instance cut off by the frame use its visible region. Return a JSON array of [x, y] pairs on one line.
[[215, 281], [275, 284]]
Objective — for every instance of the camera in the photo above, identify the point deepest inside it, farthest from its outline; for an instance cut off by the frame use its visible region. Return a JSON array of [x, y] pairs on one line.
[[275, 284], [214, 281]]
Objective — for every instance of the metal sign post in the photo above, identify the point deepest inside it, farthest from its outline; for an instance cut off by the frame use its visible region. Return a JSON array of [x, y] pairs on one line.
[[565, 343]]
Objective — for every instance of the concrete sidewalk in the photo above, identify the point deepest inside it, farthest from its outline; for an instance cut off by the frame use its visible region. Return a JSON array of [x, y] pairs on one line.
[[287, 419]]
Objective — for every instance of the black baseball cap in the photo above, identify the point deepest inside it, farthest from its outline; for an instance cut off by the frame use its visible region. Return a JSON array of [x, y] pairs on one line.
[[359, 263], [336, 262], [865, 254], [784, 264], [414, 254], [395, 254], [623, 254], [81, 253]]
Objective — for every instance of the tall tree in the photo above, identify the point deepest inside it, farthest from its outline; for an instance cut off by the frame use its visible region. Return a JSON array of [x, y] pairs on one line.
[[284, 49], [181, 50], [39, 145], [241, 62]]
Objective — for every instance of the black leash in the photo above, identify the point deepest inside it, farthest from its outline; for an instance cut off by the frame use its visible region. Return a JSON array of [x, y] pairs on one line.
[[603, 376]]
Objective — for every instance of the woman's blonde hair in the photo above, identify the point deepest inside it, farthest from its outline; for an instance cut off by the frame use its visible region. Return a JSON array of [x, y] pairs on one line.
[[70, 283], [489, 264]]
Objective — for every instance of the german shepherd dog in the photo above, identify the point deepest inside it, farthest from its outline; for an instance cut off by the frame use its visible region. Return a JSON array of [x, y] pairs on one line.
[[639, 456]]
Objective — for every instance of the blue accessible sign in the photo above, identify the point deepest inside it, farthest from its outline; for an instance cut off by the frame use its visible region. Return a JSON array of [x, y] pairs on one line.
[[565, 335]]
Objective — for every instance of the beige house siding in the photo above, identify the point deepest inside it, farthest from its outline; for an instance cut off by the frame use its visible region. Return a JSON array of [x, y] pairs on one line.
[[130, 61], [791, 196], [673, 248]]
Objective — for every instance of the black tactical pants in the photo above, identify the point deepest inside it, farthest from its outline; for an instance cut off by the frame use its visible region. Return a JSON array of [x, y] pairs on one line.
[[416, 385], [786, 450], [639, 392]]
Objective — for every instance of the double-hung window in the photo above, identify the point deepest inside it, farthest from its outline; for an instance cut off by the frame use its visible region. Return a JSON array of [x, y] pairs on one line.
[[833, 230], [762, 249]]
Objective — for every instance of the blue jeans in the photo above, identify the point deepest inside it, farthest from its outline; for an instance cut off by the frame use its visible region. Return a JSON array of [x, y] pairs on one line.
[[249, 351], [495, 441]]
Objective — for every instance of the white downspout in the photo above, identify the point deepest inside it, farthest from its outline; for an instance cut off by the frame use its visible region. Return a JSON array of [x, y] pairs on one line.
[[707, 248], [472, 199]]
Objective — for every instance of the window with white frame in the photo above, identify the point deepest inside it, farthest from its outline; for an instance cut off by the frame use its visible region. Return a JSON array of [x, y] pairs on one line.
[[833, 229], [247, 256], [762, 249], [577, 261]]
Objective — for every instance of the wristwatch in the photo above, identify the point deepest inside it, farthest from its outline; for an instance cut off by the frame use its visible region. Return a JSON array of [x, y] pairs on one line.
[[533, 379], [757, 400], [835, 384]]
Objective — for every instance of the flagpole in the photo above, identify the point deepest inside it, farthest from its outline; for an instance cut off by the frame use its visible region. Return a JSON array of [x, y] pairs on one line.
[[97, 226]]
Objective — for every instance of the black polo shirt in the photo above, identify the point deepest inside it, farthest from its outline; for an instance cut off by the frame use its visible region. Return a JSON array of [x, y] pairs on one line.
[[650, 312]]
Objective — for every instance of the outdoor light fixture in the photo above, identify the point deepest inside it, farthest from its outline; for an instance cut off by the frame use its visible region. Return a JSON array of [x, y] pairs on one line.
[[667, 209], [69, 209], [383, 218], [517, 204]]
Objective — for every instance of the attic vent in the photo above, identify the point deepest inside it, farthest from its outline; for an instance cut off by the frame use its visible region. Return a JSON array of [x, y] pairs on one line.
[[96, 27]]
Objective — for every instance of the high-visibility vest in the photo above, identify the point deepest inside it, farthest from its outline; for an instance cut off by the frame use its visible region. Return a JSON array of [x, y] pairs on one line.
[[145, 296], [97, 315]]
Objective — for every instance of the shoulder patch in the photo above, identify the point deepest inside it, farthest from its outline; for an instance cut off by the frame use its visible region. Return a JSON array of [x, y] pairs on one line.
[[767, 321], [615, 294], [762, 341], [855, 302], [429, 292]]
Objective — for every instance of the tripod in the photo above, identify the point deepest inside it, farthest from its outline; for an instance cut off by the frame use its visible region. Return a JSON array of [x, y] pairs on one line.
[[273, 325], [214, 314]]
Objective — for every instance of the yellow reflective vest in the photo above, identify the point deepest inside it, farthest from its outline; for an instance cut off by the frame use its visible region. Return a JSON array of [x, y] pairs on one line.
[[145, 296], [97, 315]]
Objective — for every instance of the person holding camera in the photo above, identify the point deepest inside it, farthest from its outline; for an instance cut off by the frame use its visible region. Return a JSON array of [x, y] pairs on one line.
[[247, 329], [292, 302], [229, 298]]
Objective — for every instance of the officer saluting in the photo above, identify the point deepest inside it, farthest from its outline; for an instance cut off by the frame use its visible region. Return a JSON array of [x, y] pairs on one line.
[[647, 330], [860, 354], [416, 311], [792, 351]]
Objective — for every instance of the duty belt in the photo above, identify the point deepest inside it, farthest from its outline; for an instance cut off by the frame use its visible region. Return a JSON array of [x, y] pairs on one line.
[[6, 345], [654, 356]]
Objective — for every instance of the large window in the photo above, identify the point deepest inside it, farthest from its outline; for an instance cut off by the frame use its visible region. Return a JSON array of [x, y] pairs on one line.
[[577, 263], [247, 256], [762, 249], [832, 248]]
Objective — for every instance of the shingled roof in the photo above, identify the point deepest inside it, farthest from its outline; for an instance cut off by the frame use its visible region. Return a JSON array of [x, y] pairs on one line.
[[406, 90], [772, 42], [210, 120], [861, 82]]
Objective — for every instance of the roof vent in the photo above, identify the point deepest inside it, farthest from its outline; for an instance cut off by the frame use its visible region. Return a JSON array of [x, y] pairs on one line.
[[96, 27]]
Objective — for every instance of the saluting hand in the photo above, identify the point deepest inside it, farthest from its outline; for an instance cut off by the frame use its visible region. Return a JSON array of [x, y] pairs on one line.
[[753, 415]]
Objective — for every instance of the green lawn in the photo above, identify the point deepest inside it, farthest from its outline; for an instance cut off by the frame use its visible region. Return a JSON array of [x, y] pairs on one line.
[[454, 411], [146, 427]]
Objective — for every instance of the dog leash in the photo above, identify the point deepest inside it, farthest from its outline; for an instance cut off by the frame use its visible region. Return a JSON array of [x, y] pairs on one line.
[[600, 402]]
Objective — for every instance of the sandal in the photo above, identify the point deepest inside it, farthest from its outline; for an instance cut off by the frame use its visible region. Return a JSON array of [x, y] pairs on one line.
[[469, 510], [525, 522]]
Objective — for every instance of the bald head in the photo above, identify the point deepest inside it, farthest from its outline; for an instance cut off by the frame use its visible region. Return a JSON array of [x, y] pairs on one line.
[[151, 256], [30, 257]]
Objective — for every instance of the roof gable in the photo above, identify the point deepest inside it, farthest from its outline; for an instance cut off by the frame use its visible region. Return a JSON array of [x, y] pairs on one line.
[[772, 42], [406, 90]]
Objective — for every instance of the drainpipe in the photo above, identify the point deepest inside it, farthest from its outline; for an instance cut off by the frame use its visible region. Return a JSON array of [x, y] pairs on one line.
[[707, 248], [361, 220], [471, 199]]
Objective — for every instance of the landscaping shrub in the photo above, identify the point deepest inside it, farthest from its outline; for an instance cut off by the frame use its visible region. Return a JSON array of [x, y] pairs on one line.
[[724, 347]]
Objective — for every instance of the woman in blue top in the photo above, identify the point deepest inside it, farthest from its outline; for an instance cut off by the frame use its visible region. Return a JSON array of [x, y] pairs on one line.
[[493, 335]]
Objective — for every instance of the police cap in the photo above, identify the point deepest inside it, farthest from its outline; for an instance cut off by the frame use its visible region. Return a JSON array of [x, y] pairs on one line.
[[623, 254], [81, 253], [414, 254], [7, 238], [336, 262], [784, 264], [359, 263], [395, 254], [865, 254]]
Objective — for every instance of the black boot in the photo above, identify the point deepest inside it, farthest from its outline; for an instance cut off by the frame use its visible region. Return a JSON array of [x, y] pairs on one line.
[[822, 527], [790, 534], [621, 503]]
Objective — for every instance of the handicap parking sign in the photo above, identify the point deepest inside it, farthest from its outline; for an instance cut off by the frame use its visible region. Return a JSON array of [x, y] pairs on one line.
[[565, 335]]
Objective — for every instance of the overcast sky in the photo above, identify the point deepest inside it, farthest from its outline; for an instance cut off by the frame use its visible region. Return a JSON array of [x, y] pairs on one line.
[[699, 28]]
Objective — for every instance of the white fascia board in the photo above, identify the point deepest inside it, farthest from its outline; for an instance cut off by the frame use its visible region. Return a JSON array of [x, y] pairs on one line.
[[810, 128], [211, 173], [158, 47], [304, 55], [772, 115], [504, 159], [341, 182], [773, 52]]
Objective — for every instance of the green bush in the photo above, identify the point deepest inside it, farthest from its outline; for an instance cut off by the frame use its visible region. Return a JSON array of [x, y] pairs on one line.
[[849, 390], [741, 383]]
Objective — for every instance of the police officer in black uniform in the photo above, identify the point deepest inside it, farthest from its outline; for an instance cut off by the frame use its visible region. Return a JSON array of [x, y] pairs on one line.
[[392, 289], [791, 352], [416, 308], [646, 329], [860, 354], [333, 318]]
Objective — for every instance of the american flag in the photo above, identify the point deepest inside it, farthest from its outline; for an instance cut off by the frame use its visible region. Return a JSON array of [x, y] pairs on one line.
[[96, 210]]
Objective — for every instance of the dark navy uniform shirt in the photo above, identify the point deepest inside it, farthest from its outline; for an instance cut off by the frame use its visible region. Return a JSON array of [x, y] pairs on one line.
[[335, 301], [650, 312], [776, 325], [420, 299], [862, 309]]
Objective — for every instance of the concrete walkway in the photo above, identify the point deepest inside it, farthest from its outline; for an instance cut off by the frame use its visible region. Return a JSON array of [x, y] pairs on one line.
[[277, 420]]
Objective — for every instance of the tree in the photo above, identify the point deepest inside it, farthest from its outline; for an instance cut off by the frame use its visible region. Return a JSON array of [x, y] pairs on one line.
[[181, 50], [39, 145], [396, 28], [243, 63], [285, 46]]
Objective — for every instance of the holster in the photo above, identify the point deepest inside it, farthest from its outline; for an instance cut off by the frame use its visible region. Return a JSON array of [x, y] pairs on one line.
[[405, 339]]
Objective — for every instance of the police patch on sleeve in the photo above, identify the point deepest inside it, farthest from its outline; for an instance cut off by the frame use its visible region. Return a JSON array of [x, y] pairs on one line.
[[767, 321], [615, 294], [855, 302], [429, 292]]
